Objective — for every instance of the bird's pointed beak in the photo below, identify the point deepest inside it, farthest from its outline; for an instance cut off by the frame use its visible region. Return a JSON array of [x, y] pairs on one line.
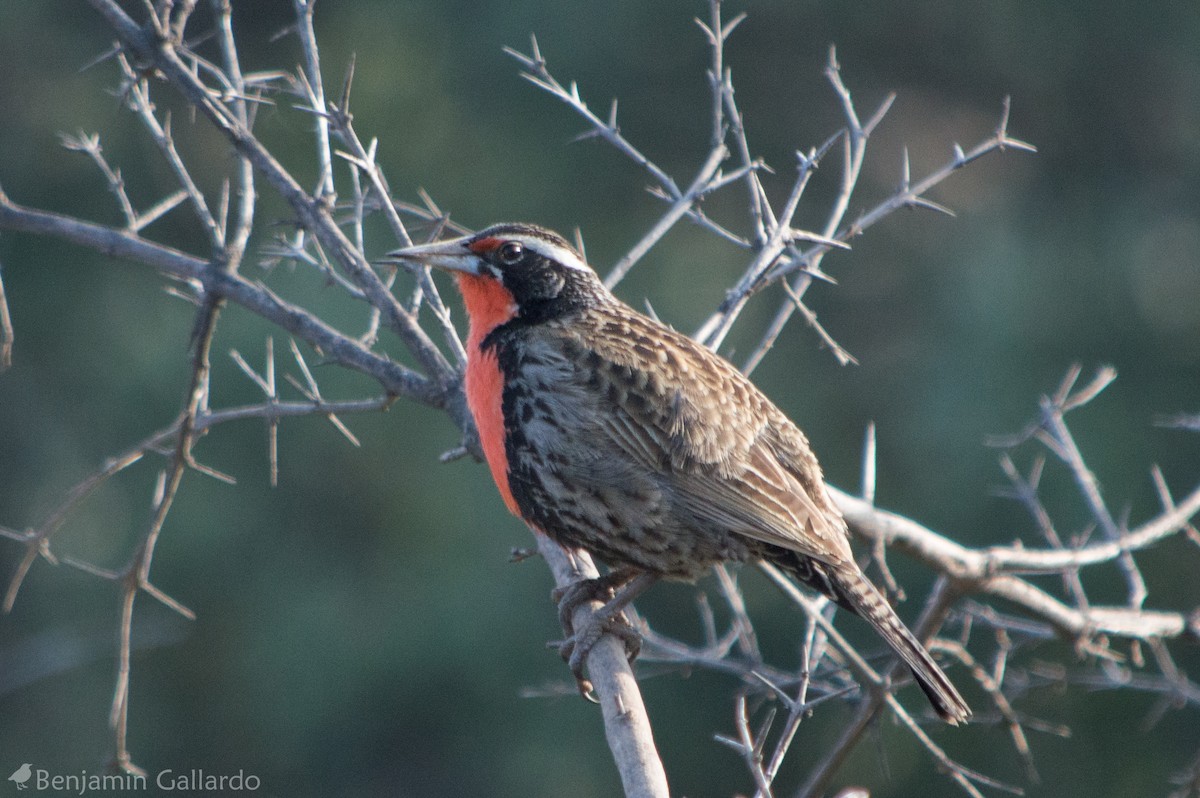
[[453, 255]]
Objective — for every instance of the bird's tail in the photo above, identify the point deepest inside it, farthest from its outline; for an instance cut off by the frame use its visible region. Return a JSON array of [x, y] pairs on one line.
[[847, 585]]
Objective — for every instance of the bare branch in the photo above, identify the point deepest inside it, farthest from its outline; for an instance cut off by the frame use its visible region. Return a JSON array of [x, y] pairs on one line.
[[314, 215], [90, 146], [36, 540], [394, 377], [989, 570], [626, 724], [537, 74], [364, 160], [681, 206], [314, 91]]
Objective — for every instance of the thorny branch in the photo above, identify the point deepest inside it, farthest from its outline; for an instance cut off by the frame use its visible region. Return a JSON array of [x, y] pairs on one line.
[[329, 237]]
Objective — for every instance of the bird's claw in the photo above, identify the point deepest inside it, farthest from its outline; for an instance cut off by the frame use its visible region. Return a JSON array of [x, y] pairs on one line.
[[566, 650], [570, 597], [574, 649]]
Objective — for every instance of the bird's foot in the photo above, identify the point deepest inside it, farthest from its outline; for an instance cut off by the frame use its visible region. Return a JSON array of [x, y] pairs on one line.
[[575, 649], [602, 589], [608, 619]]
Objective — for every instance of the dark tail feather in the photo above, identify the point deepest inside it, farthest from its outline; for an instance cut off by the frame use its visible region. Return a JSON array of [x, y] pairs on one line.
[[848, 586]]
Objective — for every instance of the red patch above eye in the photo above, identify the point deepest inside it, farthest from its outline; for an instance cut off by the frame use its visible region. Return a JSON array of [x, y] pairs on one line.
[[485, 245]]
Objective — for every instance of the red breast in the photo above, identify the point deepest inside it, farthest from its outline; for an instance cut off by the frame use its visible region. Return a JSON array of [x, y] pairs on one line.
[[489, 304]]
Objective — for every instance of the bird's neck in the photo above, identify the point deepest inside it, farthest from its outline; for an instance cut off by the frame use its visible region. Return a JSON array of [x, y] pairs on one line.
[[489, 304]]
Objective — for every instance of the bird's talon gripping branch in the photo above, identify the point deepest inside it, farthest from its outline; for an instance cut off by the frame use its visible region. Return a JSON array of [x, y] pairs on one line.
[[609, 619], [566, 650], [575, 650], [571, 597]]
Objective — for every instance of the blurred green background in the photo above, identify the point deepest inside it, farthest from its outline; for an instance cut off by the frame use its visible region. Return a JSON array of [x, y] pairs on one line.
[[360, 629]]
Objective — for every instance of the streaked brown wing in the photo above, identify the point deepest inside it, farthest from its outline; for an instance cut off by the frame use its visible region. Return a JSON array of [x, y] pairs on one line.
[[768, 503], [730, 457]]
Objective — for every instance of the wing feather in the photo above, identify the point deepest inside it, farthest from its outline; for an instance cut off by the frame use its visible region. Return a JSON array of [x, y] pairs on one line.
[[727, 456]]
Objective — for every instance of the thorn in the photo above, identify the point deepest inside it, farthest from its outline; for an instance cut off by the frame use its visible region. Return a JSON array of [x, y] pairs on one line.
[[1005, 107], [344, 102], [1068, 382], [708, 34], [1016, 144], [921, 202], [731, 24], [794, 235], [579, 245], [521, 554], [167, 601], [1179, 421], [450, 455], [1104, 377], [879, 114], [209, 471], [525, 60], [586, 135], [821, 276], [819, 153], [868, 465]]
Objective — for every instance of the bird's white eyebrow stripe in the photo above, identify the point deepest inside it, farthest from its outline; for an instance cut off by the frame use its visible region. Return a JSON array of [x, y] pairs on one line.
[[567, 257]]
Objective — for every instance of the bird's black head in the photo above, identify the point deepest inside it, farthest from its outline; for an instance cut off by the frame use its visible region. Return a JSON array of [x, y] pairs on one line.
[[543, 274]]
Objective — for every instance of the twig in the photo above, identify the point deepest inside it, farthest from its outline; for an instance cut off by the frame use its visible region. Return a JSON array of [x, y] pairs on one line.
[[313, 87], [90, 146], [879, 694], [37, 540], [677, 210], [7, 335], [750, 745], [137, 95], [313, 394], [266, 384], [1053, 410], [363, 159], [537, 74]]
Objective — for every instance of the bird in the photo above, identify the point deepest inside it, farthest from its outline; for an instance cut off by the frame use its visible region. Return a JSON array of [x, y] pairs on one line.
[[21, 775], [612, 433]]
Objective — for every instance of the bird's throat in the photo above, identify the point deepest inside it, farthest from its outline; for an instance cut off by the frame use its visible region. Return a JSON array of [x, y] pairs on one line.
[[489, 304]]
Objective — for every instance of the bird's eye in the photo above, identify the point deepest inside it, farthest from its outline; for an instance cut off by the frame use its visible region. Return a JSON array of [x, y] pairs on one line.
[[511, 253]]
